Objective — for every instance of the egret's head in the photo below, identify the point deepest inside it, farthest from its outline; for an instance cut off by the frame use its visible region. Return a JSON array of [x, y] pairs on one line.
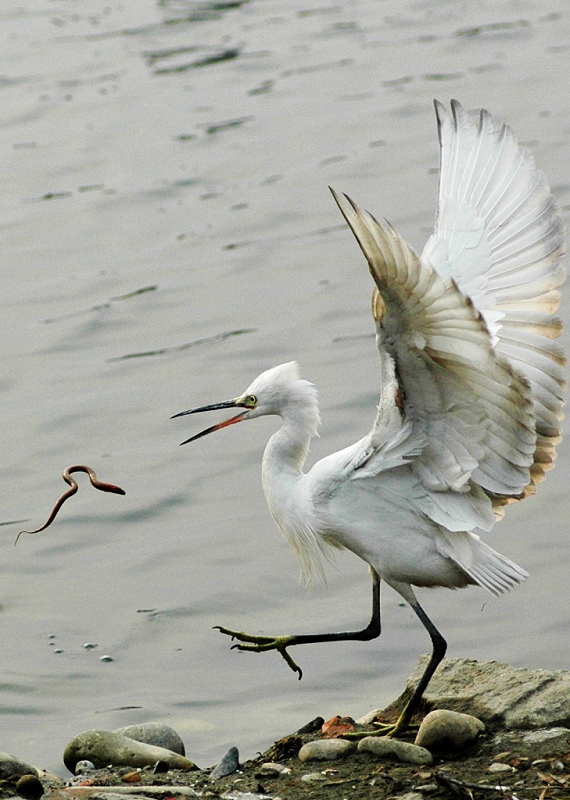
[[273, 392]]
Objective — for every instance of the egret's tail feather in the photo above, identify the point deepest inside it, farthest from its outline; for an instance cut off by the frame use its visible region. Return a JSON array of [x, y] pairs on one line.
[[486, 567]]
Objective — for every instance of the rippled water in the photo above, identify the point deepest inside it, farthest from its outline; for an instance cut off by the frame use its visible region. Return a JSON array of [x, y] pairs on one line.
[[166, 234]]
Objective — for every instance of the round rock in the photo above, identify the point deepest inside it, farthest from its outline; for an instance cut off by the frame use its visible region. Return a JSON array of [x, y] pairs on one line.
[[383, 747], [155, 733], [12, 767], [448, 730], [326, 750], [497, 766], [106, 748], [30, 787]]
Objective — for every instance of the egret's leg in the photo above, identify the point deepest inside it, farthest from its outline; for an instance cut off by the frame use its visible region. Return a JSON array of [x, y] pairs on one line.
[[439, 648], [259, 644]]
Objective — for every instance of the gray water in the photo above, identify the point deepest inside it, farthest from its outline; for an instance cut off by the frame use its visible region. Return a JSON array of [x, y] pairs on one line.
[[166, 234]]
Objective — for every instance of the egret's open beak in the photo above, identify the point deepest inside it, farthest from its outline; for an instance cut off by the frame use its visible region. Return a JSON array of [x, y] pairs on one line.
[[214, 407]]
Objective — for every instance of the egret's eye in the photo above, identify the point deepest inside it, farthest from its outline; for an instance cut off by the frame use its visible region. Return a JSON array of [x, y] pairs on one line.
[[251, 400]]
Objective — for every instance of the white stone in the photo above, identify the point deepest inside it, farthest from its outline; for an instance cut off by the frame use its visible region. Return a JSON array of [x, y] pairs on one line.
[[496, 766], [448, 730], [326, 749], [392, 748]]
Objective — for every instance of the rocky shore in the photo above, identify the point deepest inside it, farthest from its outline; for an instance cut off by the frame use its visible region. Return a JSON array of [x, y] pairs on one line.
[[488, 730]]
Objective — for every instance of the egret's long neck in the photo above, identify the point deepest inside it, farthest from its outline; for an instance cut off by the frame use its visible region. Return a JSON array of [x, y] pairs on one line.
[[287, 450], [284, 484]]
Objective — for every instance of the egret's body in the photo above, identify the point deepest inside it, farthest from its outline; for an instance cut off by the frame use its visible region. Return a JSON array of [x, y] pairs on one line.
[[471, 382]]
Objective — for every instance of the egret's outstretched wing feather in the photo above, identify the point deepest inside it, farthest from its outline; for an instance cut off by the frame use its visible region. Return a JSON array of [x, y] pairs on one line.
[[498, 235], [471, 410], [466, 331]]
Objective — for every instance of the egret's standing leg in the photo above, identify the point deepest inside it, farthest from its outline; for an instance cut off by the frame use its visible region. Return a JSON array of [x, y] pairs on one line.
[[259, 644], [438, 652]]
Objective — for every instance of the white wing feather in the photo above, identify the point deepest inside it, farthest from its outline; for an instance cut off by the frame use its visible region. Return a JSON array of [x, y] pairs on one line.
[[498, 234], [471, 377]]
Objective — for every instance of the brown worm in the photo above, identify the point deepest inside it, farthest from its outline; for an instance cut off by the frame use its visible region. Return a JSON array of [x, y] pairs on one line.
[[66, 474]]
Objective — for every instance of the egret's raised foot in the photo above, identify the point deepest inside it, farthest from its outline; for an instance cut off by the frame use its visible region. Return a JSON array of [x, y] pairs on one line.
[[259, 644]]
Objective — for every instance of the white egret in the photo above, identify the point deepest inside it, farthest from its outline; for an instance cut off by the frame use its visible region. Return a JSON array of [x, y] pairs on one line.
[[471, 382]]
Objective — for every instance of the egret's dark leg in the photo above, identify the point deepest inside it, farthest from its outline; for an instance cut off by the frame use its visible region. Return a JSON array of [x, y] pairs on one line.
[[413, 704], [438, 652], [258, 644]]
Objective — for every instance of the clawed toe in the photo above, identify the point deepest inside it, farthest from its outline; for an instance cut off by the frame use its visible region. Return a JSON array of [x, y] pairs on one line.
[[256, 641], [260, 644]]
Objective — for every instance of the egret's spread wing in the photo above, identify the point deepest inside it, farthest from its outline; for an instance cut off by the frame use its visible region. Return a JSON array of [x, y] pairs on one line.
[[498, 235], [465, 333], [471, 409]]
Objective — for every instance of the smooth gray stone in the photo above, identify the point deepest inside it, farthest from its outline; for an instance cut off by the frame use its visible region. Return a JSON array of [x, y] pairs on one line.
[[155, 733], [105, 748], [448, 730], [227, 766], [11, 767], [393, 748], [326, 750]]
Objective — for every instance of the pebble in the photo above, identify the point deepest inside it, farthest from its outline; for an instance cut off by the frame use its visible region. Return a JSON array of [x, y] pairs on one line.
[[496, 766], [12, 767], [448, 730], [272, 769], [334, 728], [395, 749], [312, 726], [227, 766], [132, 777], [326, 750], [105, 748], [30, 787], [155, 733], [84, 766]]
